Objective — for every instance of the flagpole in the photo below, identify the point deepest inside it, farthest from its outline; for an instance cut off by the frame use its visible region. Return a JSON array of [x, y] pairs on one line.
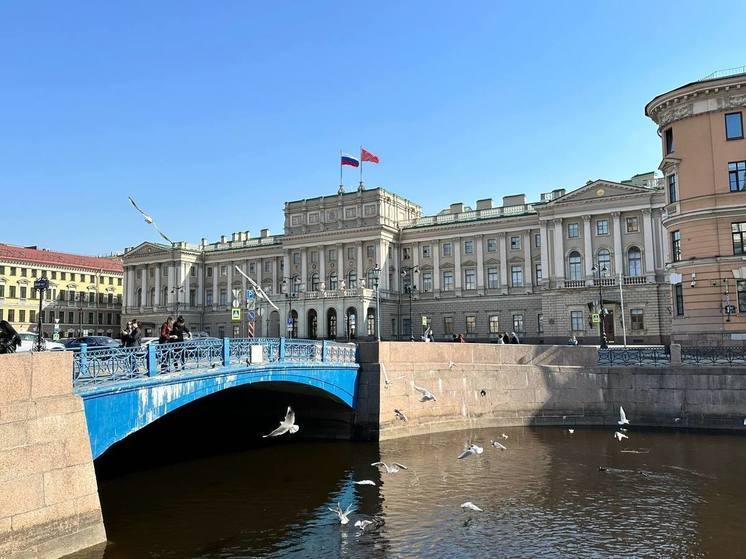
[[341, 184], [361, 167]]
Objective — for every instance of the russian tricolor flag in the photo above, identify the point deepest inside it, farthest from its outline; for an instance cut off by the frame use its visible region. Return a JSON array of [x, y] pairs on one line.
[[349, 160]]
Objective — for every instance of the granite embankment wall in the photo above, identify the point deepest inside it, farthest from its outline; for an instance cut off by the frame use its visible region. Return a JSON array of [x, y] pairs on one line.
[[505, 385], [49, 504]]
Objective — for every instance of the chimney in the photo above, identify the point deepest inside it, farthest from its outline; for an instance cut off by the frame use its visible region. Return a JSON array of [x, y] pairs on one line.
[[246, 235], [484, 204], [457, 208], [264, 233], [204, 242], [235, 237], [222, 239], [514, 200]]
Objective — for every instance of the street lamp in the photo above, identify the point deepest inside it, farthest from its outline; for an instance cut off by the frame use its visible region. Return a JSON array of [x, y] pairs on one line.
[[376, 281], [602, 312], [176, 290], [290, 293], [410, 289], [41, 285]]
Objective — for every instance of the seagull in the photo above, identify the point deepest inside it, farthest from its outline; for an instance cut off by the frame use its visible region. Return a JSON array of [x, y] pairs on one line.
[[504, 436], [498, 445], [471, 506], [619, 436], [426, 394], [401, 415], [676, 419], [343, 515], [287, 425], [471, 450], [571, 431], [622, 417], [395, 466], [363, 524], [149, 220], [744, 421], [365, 482], [451, 365]]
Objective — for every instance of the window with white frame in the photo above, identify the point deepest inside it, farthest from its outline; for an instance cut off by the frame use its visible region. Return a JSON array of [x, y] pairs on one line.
[[602, 227], [471, 324], [350, 253], [332, 254], [537, 240], [468, 247], [492, 277], [371, 251], [518, 325], [296, 258], [540, 323], [574, 266], [491, 245], [332, 281], [515, 242], [637, 319], [350, 212], [604, 260], [494, 324], [296, 220], [447, 249], [516, 276], [538, 273], [427, 251], [313, 218], [352, 280], [314, 256], [470, 278], [267, 266], [427, 281], [406, 253], [632, 224], [573, 231], [634, 262], [369, 210], [448, 325], [448, 281], [576, 321]]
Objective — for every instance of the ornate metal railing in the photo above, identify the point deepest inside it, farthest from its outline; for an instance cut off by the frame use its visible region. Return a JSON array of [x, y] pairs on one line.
[[715, 355], [657, 356], [98, 366]]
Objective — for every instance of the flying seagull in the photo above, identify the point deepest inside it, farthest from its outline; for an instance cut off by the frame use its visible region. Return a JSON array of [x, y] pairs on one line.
[[401, 415], [149, 220], [343, 515], [622, 417], [365, 482], [287, 425], [451, 364], [426, 394], [363, 524], [395, 467], [471, 450], [471, 506], [498, 445], [619, 436]]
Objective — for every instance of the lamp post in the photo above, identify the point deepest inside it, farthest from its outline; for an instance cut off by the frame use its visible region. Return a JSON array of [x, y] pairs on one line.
[[290, 293], [41, 285], [176, 290], [376, 281], [410, 289], [602, 312]]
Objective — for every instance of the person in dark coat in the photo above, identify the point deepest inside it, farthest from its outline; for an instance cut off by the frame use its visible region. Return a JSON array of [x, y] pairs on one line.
[[9, 338], [180, 330], [506, 338], [165, 335], [514, 338], [135, 335]]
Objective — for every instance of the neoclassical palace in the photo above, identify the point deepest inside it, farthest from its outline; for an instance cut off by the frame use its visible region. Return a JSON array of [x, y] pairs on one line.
[[541, 269]]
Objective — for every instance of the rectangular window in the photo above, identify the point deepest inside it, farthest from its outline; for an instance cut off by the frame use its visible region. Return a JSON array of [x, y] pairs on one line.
[[2, 270], [737, 176], [491, 245], [678, 293], [267, 266], [673, 189], [739, 237], [223, 297], [109, 318], [54, 275], [192, 297], [447, 249], [602, 227], [12, 315], [540, 323], [371, 251], [537, 240], [315, 256], [90, 317], [573, 230], [515, 242], [741, 289], [637, 321], [208, 297], [471, 324], [332, 254], [516, 276], [427, 251], [252, 267], [491, 278], [468, 247], [296, 259], [494, 324], [538, 274], [733, 126], [23, 292], [70, 317], [12, 290], [23, 273], [427, 281], [350, 253], [193, 269], [448, 325], [313, 218], [518, 323], [576, 321], [32, 316], [633, 226], [2, 291], [406, 253], [350, 213], [209, 272], [669, 141], [12, 270], [447, 281], [470, 278], [21, 315], [676, 246]]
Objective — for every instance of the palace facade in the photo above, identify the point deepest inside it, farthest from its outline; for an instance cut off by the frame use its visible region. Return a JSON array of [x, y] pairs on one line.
[[541, 269]]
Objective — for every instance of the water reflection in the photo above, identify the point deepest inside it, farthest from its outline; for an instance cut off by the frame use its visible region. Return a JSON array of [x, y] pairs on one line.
[[680, 495]]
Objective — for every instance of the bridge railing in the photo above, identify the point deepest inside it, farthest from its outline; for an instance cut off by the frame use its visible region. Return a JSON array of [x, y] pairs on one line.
[[657, 356], [98, 366]]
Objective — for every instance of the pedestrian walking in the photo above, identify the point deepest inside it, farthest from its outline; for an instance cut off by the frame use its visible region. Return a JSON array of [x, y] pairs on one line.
[[514, 338], [506, 338]]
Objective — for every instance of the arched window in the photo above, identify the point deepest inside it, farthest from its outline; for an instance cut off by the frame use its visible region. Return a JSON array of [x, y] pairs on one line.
[[574, 266], [332, 281], [371, 322], [313, 325], [351, 323], [331, 323], [139, 297], [352, 280], [151, 302], [634, 262], [315, 282], [604, 259]]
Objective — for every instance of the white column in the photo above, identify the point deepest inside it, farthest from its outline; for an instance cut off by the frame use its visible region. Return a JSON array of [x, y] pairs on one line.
[[171, 283], [322, 278], [275, 290], [187, 283], [395, 256], [259, 271], [528, 273], [303, 274], [229, 293], [157, 299], [384, 263], [588, 249], [558, 246], [503, 260], [215, 273], [200, 284], [286, 268], [415, 261], [341, 266], [436, 266], [617, 231], [244, 284], [360, 270], [647, 235], [480, 262], [144, 286], [457, 263], [131, 288], [544, 250]]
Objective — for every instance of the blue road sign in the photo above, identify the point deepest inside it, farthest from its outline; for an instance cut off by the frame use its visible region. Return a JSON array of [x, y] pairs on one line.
[[250, 294], [251, 315], [290, 322]]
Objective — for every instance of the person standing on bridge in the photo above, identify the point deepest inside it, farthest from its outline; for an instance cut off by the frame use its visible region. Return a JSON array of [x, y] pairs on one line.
[[166, 335], [135, 335]]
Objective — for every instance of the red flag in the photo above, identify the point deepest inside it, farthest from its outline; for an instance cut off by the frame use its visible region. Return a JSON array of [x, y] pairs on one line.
[[365, 155]]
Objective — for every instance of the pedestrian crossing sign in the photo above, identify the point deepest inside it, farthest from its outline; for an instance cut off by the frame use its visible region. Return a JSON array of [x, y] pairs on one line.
[[595, 318], [235, 313]]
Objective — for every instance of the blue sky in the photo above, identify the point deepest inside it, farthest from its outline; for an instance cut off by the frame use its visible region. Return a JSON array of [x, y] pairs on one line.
[[212, 114]]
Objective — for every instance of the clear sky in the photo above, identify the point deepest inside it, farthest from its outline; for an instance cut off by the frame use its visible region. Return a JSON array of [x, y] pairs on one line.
[[212, 114]]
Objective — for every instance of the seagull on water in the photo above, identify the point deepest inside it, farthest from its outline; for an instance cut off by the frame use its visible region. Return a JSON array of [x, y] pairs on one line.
[[365, 482], [622, 417], [676, 419], [619, 436], [571, 431], [287, 425], [451, 364], [471, 450], [498, 445], [343, 515], [504, 436], [395, 467], [471, 506], [426, 394], [363, 524], [149, 220], [401, 415]]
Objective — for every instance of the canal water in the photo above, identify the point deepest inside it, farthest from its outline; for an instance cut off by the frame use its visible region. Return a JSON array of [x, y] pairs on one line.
[[550, 494]]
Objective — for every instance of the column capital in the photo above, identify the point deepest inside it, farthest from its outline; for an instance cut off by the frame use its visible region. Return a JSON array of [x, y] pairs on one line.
[[586, 218], [616, 215], [557, 221], [647, 211]]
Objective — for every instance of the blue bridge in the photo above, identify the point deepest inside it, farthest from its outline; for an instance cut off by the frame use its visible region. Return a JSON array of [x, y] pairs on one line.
[[125, 389]]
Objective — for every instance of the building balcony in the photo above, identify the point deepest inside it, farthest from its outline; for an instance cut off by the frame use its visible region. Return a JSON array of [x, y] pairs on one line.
[[573, 284]]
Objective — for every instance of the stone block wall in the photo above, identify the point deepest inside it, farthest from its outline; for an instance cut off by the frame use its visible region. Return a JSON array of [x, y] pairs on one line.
[[49, 504]]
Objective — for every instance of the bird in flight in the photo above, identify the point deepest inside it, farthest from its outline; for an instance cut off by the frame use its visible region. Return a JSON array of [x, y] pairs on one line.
[[471, 506], [343, 514], [287, 425], [149, 220], [363, 524], [498, 446], [365, 482], [395, 467], [401, 415], [470, 450], [426, 394], [619, 436], [622, 417]]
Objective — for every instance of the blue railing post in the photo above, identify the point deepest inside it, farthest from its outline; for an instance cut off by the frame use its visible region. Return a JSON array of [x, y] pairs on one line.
[[84, 359], [152, 362], [324, 356], [282, 349], [226, 352]]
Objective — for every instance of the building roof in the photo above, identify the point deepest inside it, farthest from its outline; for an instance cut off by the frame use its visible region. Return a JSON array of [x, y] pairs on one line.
[[49, 257]]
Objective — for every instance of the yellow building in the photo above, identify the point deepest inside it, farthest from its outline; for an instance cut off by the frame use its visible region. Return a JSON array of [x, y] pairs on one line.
[[84, 295]]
